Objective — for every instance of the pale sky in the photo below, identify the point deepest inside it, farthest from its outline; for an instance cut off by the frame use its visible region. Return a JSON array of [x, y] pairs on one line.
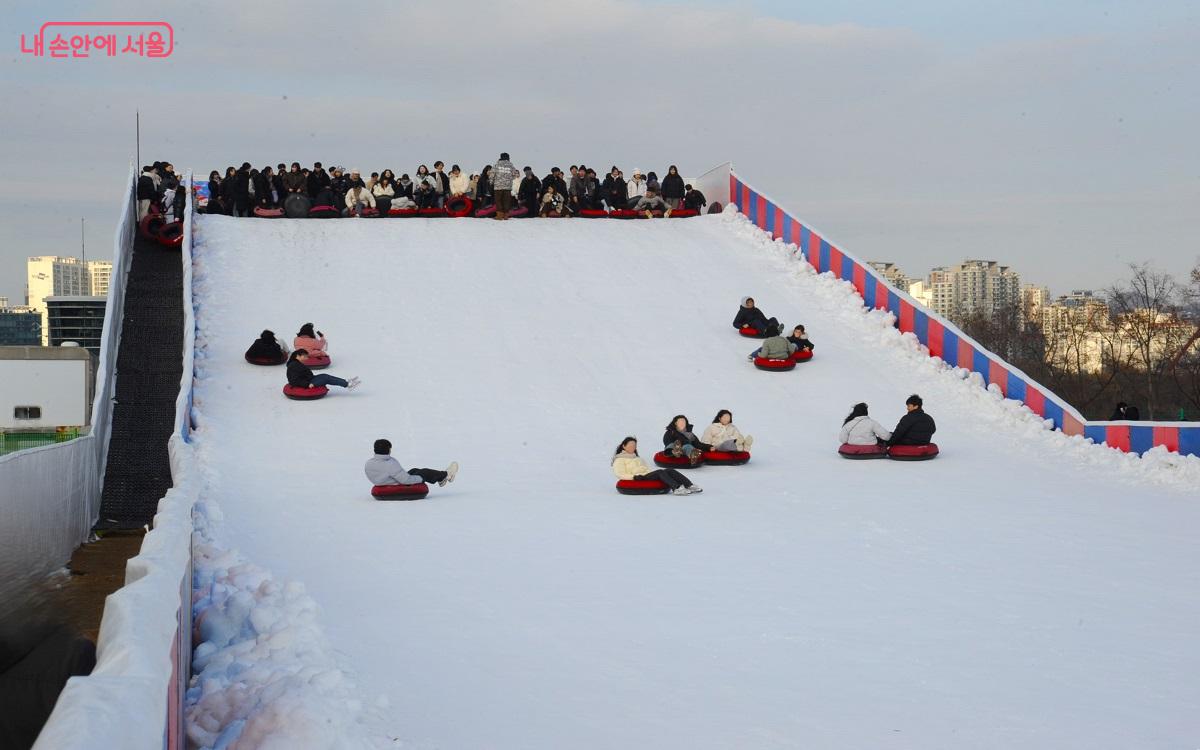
[[1058, 138]]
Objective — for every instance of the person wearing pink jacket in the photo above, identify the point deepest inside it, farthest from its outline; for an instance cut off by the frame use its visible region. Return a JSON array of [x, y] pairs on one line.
[[313, 341]]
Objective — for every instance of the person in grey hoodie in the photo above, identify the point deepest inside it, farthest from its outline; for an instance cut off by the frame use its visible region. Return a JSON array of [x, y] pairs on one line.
[[651, 202], [503, 174], [775, 347], [381, 469]]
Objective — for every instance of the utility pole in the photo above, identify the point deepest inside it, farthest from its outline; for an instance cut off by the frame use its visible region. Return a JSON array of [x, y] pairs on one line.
[[138, 129], [87, 277]]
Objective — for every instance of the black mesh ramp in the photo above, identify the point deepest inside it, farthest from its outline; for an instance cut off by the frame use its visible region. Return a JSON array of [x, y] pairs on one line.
[[149, 366]]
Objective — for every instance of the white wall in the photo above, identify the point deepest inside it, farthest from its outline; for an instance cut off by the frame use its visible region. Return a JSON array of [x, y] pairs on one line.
[[58, 386]]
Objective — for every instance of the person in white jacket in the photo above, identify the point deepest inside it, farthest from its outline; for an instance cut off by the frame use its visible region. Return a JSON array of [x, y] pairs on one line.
[[358, 197], [636, 188], [382, 469], [723, 434], [460, 183], [859, 429]]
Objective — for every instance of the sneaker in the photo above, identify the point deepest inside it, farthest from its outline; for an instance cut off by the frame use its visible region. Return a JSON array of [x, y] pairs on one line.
[[749, 357], [696, 457], [745, 443], [680, 491], [677, 450], [452, 471], [695, 489], [352, 384]]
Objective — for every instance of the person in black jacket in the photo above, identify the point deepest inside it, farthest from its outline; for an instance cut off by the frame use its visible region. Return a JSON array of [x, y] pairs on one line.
[[229, 191], [750, 316], [267, 348], [241, 190], [555, 178], [529, 190], [800, 338], [146, 191], [264, 184], [318, 179], [614, 190], [693, 199], [681, 440], [673, 188], [300, 376], [914, 428], [340, 185], [1119, 412], [484, 196]]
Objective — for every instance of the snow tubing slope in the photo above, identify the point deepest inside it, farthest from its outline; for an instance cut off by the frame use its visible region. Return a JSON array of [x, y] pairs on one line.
[[996, 597]]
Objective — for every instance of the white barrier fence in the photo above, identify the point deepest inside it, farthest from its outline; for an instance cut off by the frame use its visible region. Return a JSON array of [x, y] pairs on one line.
[[133, 699]]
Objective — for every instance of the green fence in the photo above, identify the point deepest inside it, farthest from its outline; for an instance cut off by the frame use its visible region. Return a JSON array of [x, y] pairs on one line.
[[11, 442]]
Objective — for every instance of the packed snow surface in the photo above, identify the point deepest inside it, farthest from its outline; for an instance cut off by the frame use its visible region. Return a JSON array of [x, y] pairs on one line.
[[1025, 589]]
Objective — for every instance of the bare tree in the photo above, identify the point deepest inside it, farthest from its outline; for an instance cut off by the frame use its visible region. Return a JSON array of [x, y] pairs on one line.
[[1146, 313], [1185, 367]]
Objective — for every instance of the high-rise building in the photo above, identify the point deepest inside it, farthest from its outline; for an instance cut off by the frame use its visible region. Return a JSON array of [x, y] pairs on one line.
[[1034, 301], [3, 303], [892, 273], [51, 275], [76, 318], [99, 273], [973, 287]]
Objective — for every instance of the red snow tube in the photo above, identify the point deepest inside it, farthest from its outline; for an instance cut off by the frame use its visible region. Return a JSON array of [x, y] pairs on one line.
[[593, 213], [641, 487], [268, 213], [684, 213], [777, 365], [520, 212], [802, 355], [305, 394], [726, 458], [625, 213], [913, 452], [404, 212], [170, 235], [150, 224], [751, 332], [552, 215], [366, 213], [317, 361], [486, 212], [861, 452], [323, 212], [267, 361], [400, 491], [662, 458], [460, 206], [432, 213]]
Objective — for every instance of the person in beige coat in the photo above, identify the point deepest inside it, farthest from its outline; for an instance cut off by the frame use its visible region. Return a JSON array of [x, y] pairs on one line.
[[723, 434], [627, 465]]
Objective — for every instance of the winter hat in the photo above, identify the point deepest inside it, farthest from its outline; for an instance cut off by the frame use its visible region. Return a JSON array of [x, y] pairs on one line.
[[745, 300], [353, 171], [636, 171]]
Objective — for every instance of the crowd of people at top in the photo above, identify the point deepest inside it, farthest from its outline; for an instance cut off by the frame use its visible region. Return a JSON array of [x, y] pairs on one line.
[[502, 184]]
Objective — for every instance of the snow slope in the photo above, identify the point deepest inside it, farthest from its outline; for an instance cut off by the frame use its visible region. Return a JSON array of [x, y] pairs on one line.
[[1025, 589]]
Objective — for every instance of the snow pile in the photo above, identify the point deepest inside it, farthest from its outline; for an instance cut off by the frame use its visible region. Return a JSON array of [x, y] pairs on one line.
[[962, 389], [264, 675], [996, 597]]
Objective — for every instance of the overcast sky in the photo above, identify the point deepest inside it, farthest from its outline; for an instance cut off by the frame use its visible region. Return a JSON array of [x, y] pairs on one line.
[[1059, 138]]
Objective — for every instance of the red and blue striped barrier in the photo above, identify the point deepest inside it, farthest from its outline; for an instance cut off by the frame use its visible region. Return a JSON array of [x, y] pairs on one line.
[[944, 340]]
